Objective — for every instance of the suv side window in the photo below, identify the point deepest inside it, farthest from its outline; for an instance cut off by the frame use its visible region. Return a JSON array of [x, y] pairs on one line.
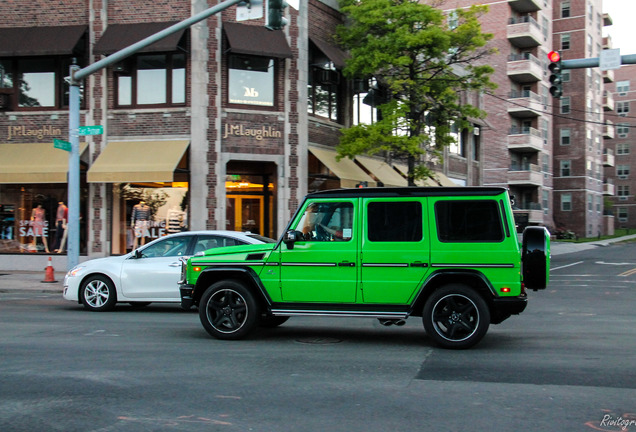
[[327, 221], [394, 221], [468, 221]]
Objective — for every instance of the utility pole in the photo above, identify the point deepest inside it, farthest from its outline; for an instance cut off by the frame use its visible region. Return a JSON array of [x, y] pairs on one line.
[[77, 75]]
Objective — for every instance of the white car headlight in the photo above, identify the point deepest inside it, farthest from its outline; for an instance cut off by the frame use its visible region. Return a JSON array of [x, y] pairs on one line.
[[75, 270]]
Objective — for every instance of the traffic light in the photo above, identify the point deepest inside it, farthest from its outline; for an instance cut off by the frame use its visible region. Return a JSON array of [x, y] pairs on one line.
[[556, 75], [275, 12]]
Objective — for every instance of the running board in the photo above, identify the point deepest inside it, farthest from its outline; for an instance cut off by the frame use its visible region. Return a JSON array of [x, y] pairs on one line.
[[340, 313]]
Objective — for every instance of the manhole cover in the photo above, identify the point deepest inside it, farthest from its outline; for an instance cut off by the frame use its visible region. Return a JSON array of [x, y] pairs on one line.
[[319, 340]]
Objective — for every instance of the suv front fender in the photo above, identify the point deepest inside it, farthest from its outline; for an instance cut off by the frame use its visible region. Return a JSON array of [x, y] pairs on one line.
[[246, 275]]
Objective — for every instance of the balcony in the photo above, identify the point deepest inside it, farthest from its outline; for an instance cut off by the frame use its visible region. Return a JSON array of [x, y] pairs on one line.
[[533, 211], [608, 76], [524, 104], [607, 19], [524, 32], [608, 101], [524, 68], [608, 130], [525, 175], [608, 157], [607, 42], [525, 139], [609, 188], [525, 6]]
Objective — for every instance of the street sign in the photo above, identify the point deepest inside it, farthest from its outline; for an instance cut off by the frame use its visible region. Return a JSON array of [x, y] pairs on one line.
[[62, 145], [91, 130], [250, 10], [610, 59]]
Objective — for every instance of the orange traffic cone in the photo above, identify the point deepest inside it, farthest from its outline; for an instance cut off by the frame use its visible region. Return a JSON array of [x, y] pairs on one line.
[[49, 273]]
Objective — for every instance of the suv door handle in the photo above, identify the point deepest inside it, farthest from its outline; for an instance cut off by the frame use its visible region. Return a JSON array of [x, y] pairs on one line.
[[419, 264], [346, 264]]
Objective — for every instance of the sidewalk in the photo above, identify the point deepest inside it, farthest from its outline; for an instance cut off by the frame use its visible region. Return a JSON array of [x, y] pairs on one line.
[[31, 280]]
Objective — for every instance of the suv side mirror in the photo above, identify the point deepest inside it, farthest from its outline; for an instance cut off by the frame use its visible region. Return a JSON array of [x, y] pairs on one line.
[[291, 237]]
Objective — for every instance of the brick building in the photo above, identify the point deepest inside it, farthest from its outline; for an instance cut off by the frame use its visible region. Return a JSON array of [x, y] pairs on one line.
[[225, 125], [619, 150]]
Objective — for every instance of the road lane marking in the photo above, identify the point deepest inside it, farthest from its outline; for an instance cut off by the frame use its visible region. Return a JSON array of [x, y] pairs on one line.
[[567, 265], [628, 272]]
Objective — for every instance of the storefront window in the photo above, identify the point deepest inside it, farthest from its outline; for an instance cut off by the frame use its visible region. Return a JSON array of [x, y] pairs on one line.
[[250, 203], [251, 80], [33, 219], [142, 214]]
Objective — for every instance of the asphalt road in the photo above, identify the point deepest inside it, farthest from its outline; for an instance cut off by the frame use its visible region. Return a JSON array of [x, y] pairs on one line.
[[565, 364]]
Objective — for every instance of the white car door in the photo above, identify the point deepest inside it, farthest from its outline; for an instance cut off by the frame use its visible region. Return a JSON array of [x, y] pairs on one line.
[[154, 272]]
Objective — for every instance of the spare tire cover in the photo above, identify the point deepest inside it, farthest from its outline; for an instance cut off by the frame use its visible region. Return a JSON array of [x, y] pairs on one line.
[[535, 257]]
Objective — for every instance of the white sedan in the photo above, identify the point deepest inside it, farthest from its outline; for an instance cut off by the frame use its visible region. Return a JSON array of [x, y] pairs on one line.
[[147, 274]]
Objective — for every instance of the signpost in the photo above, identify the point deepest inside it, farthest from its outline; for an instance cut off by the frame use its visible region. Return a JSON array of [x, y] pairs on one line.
[[62, 145], [91, 130]]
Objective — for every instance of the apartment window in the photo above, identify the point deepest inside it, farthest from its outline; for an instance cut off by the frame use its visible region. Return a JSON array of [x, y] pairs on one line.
[[545, 201], [35, 83], [622, 190], [565, 9], [598, 204], [565, 105], [152, 80], [453, 20], [566, 202], [622, 129], [566, 167], [623, 214], [566, 75], [622, 108], [622, 87], [565, 41], [622, 149], [622, 171], [565, 136], [325, 87]]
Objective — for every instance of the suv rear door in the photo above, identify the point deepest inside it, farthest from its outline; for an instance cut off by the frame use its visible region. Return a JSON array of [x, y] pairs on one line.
[[395, 249]]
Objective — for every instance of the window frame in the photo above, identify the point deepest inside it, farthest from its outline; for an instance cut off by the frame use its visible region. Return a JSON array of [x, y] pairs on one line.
[[130, 68]]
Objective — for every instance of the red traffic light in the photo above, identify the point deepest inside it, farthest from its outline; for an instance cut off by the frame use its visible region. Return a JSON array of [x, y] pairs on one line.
[[554, 56]]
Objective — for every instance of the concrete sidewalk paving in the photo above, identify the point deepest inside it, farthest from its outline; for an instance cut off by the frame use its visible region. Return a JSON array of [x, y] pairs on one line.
[[31, 280]]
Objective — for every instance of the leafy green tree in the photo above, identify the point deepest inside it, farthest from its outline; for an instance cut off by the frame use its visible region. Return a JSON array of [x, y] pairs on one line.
[[421, 61]]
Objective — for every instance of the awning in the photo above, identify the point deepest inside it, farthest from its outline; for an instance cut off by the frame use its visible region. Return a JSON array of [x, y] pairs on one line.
[[119, 36], [137, 162], [333, 53], [383, 172], [438, 180], [346, 170], [256, 40], [34, 163], [40, 41]]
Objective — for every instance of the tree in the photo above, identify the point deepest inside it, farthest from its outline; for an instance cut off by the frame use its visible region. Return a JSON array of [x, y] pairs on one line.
[[421, 62]]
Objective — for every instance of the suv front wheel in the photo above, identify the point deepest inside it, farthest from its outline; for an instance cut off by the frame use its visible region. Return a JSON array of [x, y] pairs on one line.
[[456, 316], [228, 310]]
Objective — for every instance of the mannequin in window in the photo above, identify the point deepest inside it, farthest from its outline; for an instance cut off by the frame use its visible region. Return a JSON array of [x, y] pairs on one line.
[[61, 217], [139, 222], [38, 222]]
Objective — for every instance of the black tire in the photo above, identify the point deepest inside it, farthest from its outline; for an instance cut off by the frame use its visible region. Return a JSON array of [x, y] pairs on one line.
[[272, 321], [456, 317], [228, 310], [98, 294]]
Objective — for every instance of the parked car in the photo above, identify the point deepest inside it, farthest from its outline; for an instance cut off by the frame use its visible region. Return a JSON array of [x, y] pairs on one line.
[[147, 274], [448, 255]]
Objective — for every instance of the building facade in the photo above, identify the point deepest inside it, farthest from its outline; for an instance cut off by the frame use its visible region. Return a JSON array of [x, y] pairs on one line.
[[618, 150], [225, 125]]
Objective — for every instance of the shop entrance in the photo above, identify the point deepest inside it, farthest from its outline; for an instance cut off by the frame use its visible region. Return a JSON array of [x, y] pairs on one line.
[[251, 197]]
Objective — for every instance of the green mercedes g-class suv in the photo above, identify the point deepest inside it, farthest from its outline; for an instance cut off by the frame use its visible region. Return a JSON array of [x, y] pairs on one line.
[[448, 255]]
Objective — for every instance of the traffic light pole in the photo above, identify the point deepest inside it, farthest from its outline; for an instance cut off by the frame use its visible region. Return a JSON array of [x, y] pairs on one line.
[[594, 62], [77, 75]]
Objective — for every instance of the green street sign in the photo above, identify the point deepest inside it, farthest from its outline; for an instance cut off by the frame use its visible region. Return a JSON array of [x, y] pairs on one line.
[[91, 130], [63, 145]]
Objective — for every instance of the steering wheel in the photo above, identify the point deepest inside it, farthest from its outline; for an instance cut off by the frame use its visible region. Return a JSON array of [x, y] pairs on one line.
[[322, 234]]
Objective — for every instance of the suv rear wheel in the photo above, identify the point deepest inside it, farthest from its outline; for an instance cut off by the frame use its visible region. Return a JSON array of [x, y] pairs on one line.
[[456, 316], [228, 310]]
